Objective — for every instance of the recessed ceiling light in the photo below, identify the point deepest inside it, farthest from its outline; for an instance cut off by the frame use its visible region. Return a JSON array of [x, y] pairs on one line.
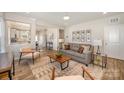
[[66, 17]]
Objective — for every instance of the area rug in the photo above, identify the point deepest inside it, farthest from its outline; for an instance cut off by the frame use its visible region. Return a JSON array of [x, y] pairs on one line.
[[42, 69]]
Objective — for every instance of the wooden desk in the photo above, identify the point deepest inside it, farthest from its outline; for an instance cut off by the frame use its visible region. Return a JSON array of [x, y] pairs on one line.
[[6, 64]]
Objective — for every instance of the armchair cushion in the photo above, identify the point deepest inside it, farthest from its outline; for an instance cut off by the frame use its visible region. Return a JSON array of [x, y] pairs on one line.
[[29, 55]]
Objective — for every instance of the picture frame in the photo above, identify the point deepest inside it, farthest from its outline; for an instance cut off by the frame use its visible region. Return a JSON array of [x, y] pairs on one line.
[[81, 35]]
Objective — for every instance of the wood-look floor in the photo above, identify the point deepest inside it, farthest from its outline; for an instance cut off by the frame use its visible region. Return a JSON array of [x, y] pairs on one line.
[[114, 70]]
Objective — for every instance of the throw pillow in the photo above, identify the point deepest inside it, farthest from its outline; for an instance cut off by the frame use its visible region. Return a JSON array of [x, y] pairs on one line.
[[67, 47], [86, 48], [80, 50], [74, 47]]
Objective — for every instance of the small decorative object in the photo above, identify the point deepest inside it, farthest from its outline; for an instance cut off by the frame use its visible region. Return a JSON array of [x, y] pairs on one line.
[[59, 54]]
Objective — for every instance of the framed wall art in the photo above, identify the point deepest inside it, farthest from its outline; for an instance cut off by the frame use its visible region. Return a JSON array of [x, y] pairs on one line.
[[81, 36]]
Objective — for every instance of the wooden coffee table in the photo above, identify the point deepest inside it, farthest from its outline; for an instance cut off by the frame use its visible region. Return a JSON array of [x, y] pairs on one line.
[[61, 60]]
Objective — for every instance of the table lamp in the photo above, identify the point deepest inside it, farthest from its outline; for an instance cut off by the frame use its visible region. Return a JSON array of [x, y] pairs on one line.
[[60, 42], [97, 43]]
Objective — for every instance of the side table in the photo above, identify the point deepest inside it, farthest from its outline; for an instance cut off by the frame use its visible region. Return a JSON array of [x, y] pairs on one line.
[[103, 59]]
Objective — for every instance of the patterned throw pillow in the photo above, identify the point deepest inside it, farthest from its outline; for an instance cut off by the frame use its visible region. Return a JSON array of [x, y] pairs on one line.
[[75, 47], [67, 47], [80, 50]]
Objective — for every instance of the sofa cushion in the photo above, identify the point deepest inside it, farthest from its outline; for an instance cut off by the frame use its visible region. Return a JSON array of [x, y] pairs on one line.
[[79, 55], [86, 48], [74, 47], [76, 54], [70, 52], [67, 47], [73, 53]]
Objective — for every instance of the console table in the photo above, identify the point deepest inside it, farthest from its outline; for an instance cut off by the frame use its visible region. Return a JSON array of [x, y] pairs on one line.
[[6, 64]]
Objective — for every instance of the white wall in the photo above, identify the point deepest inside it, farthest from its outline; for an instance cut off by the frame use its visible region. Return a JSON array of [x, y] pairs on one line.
[[97, 28]]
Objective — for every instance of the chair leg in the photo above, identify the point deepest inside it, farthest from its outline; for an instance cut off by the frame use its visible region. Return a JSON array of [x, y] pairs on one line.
[[20, 57], [39, 54], [53, 74], [13, 66], [33, 57], [83, 73]]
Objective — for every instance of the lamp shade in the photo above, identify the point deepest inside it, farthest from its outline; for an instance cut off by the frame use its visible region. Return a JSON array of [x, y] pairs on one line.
[[97, 42], [36, 38], [61, 40]]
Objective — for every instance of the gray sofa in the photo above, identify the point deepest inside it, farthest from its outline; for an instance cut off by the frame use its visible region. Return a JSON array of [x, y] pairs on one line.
[[85, 57]]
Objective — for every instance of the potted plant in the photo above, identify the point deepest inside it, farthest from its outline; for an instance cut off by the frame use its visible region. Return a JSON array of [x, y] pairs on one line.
[[59, 54]]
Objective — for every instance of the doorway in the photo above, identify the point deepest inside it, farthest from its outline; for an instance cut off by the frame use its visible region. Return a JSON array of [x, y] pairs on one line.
[[41, 37]]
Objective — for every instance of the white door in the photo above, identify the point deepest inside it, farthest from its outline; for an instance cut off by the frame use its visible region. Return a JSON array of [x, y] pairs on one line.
[[114, 44], [121, 47]]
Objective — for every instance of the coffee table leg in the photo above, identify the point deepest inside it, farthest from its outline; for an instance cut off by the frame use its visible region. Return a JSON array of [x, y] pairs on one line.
[[13, 66], [64, 67], [20, 57], [67, 63], [61, 66], [33, 57]]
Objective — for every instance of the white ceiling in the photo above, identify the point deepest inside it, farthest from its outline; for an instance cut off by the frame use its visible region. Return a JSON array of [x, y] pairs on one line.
[[56, 18]]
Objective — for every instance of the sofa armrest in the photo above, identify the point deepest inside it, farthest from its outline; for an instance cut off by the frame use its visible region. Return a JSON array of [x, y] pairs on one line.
[[88, 56]]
